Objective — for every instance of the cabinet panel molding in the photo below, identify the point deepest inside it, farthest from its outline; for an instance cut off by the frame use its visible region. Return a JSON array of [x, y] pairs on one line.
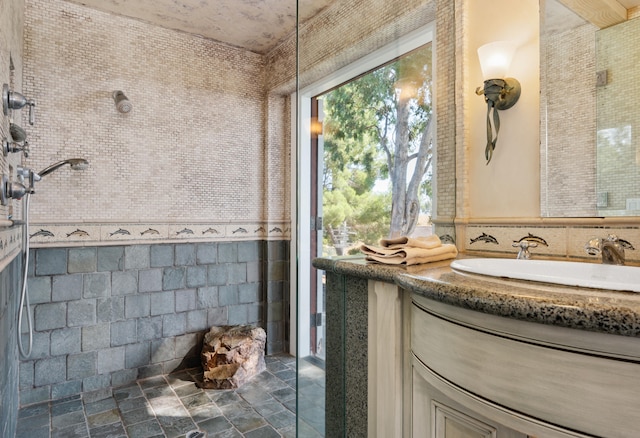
[[385, 359], [449, 423]]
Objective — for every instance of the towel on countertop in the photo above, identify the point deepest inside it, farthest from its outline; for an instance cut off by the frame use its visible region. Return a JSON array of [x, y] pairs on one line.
[[428, 242], [409, 251]]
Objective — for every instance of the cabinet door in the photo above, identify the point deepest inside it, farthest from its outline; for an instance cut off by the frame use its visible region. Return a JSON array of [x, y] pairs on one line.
[[434, 415], [450, 423]]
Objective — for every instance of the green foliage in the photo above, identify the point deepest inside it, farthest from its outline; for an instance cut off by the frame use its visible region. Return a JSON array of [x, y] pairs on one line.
[[361, 140], [350, 200]]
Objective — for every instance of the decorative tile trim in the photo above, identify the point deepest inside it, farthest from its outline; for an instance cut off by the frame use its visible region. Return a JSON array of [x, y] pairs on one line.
[[484, 238], [500, 239], [554, 240], [10, 244], [531, 238], [85, 234]]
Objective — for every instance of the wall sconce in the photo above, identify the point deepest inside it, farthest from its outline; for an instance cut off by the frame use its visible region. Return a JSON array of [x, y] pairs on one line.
[[500, 92]]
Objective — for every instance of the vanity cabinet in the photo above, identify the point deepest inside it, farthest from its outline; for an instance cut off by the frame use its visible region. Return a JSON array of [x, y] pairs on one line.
[[479, 375], [428, 352]]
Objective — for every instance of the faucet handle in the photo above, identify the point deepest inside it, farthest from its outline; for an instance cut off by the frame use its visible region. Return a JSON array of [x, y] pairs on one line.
[[593, 246], [625, 243], [523, 253], [32, 111], [10, 147]]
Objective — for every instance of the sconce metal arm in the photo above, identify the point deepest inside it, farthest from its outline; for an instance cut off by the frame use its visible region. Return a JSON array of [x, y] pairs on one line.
[[500, 94]]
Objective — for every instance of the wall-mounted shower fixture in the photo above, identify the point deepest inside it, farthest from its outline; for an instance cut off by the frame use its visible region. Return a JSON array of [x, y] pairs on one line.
[[15, 100], [123, 104], [10, 147], [11, 190], [28, 177], [75, 163], [25, 173]]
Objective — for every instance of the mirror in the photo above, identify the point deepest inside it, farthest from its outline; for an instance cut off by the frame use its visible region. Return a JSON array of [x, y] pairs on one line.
[[590, 159]]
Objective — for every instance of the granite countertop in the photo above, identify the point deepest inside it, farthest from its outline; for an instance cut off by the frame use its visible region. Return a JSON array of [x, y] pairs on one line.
[[596, 310]]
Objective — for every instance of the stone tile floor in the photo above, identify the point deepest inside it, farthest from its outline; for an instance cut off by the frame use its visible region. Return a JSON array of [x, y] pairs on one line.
[[171, 405]]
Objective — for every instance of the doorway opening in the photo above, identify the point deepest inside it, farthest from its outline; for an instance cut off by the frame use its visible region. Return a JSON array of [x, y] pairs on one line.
[[364, 157], [371, 165]]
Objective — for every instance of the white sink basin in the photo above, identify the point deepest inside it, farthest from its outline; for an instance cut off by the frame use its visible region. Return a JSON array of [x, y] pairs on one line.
[[626, 278]]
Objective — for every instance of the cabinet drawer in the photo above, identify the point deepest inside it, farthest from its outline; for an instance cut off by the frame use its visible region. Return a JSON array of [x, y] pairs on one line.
[[586, 393]]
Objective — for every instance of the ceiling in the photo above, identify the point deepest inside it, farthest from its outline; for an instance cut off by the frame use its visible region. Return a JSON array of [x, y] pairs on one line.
[[255, 25], [559, 18], [258, 25]]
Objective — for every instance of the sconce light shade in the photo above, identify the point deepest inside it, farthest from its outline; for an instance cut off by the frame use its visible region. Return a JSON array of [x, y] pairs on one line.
[[500, 92], [495, 59]]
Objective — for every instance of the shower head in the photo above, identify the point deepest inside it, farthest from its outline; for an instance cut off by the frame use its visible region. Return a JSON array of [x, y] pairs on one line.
[[123, 104], [75, 163]]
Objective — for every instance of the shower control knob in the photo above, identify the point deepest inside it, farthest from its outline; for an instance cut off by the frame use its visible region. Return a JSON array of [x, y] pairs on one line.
[[3, 191], [14, 100], [16, 190], [7, 147], [10, 147], [13, 190]]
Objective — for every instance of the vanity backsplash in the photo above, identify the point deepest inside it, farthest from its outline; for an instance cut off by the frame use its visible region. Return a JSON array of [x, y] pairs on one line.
[[551, 241]]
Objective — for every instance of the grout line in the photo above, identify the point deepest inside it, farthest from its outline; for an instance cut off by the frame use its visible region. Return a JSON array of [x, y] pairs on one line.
[[162, 383]]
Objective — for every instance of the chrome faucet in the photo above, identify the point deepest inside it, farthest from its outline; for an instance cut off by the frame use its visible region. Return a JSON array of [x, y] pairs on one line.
[[523, 252], [611, 248]]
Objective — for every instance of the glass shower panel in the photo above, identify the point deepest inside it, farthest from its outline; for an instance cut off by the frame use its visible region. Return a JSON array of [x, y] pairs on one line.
[[337, 41], [617, 120]]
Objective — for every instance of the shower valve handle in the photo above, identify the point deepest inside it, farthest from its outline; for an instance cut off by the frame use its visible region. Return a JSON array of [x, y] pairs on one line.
[[32, 111], [11, 147]]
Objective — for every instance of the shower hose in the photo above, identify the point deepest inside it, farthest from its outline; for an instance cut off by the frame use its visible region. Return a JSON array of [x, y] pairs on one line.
[[24, 296]]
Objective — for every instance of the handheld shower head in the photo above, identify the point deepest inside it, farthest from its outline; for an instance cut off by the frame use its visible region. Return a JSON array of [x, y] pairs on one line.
[[78, 163], [75, 163], [123, 104]]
